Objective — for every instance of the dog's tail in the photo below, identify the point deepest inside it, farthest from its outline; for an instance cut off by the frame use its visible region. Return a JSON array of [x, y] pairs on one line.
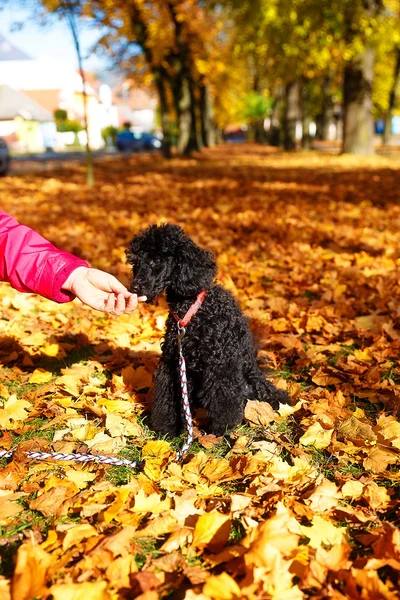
[[264, 390]]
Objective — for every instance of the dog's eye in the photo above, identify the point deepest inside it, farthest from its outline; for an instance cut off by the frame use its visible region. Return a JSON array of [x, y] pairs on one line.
[[154, 262]]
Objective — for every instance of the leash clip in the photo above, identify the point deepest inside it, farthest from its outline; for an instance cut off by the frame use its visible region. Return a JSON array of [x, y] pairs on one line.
[[181, 333]]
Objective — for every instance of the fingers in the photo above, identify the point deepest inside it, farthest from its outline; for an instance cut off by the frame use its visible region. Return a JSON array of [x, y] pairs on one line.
[[109, 304], [131, 304], [118, 304]]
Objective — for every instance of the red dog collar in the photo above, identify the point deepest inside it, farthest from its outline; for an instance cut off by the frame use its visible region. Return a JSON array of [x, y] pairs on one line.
[[192, 310]]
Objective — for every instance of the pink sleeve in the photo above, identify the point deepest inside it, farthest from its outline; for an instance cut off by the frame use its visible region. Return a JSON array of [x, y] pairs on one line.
[[32, 264]]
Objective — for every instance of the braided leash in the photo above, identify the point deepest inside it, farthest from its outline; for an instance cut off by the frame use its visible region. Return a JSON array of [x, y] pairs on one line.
[[76, 457], [185, 395], [114, 460]]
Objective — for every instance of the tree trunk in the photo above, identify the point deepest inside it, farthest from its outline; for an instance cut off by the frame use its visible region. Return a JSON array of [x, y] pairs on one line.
[[325, 116], [162, 80], [75, 36], [290, 115], [358, 127], [208, 132], [187, 136], [164, 113], [259, 132], [392, 100], [196, 142], [306, 140]]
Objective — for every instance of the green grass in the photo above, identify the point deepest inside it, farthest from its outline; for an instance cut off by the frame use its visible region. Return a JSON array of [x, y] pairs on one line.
[[237, 532], [35, 431], [120, 475], [148, 547], [391, 374]]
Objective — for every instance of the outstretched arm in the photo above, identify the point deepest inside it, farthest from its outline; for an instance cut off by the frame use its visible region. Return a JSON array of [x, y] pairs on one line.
[[30, 263]]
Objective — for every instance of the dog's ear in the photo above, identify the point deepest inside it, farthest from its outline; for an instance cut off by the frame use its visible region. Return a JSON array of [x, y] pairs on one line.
[[195, 268]]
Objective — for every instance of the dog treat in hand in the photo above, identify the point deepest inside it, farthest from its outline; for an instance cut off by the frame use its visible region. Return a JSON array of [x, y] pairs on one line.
[[217, 344]]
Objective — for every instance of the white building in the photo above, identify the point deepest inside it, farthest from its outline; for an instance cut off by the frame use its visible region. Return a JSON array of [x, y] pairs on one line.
[[53, 84]]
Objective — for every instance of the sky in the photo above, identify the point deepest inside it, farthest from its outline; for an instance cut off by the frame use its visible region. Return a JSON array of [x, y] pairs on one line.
[[54, 41]]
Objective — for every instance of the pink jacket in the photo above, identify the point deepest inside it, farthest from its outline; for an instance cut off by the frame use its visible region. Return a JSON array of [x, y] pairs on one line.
[[32, 264]]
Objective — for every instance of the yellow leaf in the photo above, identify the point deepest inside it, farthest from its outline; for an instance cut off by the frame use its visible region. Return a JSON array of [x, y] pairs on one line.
[[84, 432], [4, 392], [5, 593], [212, 528], [379, 458], [77, 534], [158, 526], [323, 532], [285, 409], [221, 587], [8, 505], [352, 489], [363, 355], [54, 350], [325, 378], [79, 477], [259, 413], [156, 455], [118, 572], [325, 497], [376, 496], [35, 339], [354, 428], [153, 503], [40, 376], [316, 436], [137, 379], [13, 411], [120, 406], [70, 384], [390, 429], [119, 426], [281, 532], [30, 572], [156, 449], [118, 504], [51, 542], [80, 591]]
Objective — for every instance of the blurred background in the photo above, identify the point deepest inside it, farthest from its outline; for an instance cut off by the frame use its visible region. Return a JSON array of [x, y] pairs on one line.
[[126, 75]]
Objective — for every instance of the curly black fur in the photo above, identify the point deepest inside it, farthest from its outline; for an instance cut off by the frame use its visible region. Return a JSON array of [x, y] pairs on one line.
[[222, 371]]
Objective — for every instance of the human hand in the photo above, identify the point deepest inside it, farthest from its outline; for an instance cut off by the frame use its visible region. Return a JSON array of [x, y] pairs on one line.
[[101, 291]]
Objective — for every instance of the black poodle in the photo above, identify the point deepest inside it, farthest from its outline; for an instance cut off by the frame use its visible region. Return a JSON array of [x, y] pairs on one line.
[[222, 371]]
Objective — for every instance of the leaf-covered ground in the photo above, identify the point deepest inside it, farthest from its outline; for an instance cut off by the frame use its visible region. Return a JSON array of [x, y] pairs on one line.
[[303, 503]]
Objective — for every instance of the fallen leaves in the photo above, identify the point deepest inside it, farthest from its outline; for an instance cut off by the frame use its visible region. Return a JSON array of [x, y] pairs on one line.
[[296, 503], [12, 412]]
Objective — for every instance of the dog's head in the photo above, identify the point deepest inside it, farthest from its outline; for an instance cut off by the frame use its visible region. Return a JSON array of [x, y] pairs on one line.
[[164, 257]]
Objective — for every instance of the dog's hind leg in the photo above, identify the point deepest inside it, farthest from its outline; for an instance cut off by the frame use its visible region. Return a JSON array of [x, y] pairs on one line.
[[165, 412], [223, 395]]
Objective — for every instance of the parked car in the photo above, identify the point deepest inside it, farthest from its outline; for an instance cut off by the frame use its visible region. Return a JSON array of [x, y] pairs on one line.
[[133, 141], [4, 158]]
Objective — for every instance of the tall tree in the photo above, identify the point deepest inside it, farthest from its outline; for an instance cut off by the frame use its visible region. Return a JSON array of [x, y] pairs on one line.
[[360, 19], [71, 11]]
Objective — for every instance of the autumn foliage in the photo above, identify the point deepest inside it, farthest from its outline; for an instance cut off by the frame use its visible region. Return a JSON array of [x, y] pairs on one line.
[[300, 503]]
